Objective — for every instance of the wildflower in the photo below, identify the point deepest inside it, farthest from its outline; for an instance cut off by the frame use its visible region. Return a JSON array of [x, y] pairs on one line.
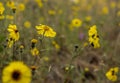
[[56, 45], [113, 4], [16, 72], [112, 74], [45, 31], [93, 37], [21, 7], [33, 68], [105, 10], [1, 9], [14, 33], [76, 22], [21, 48], [10, 42], [88, 18], [27, 24], [39, 2], [51, 12], [10, 17], [34, 50], [2, 17], [10, 4]]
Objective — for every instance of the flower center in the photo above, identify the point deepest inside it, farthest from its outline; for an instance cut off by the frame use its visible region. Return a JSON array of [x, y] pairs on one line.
[[46, 29], [16, 31], [16, 75]]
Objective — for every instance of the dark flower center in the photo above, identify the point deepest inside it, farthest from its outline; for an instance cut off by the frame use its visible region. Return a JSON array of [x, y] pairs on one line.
[[16, 75], [16, 31]]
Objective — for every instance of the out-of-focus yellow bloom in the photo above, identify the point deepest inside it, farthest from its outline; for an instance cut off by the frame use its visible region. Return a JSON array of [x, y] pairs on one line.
[[34, 40], [1, 9], [75, 1], [39, 2], [21, 7], [93, 37], [10, 42], [10, 4], [45, 31], [13, 32], [88, 18], [118, 13], [34, 51], [16, 72], [56, 45], [51, 12], [85, 44], [113, 4], [75, 8], [76, 22], [105, 10], [21, 46], [112, 74], [45, 58], [2, 17], [27, 24], [9, 17]]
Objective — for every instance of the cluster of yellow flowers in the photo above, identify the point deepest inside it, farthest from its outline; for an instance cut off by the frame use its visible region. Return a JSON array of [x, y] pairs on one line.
[[34, 50], [93, 37], [112, 74], [13, 34]]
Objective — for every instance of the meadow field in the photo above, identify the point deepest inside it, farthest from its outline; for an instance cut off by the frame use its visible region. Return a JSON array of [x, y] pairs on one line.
[[59, 41]]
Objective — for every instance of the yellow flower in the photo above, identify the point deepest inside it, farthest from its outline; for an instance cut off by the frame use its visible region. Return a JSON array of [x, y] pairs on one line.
[[113, 4], [10, 4], [34, 40], [118, 13], [2, 17], [92, 30], [105, 10], [76, 22], [27, 24], [10, 42], [112, 74], [56, 45], [14, 33], [88, 18], [9, 17], [39, 2], [1, 10], [51, 12], [16, 72], [45, 31], [93, 37], [34, 51], [21, 7]]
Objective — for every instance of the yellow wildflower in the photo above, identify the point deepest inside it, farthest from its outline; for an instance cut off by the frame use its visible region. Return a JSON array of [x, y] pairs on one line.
[[27, 24], [88, 18], [112, 74], [113, 4], [14, 33], [93, 37], [45, 31], [16, 72], [2, 17], [76, 22], [51, 12], [1, 10], [56, 45], [34, 51], [10, 42], [9, 17], [10, 4], [105, 10], [21, 7]]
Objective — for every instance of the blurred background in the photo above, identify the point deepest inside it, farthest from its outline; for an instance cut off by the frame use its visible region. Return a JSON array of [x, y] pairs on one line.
[[68, 57]]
